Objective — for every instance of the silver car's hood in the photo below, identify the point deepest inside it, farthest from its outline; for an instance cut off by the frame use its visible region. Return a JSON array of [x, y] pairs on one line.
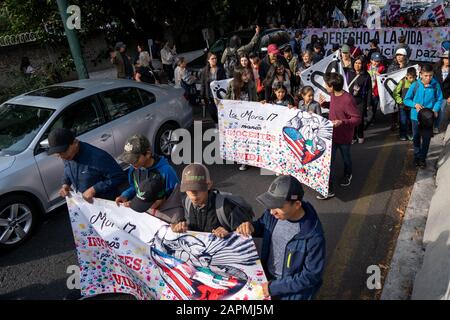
[[6, 162]]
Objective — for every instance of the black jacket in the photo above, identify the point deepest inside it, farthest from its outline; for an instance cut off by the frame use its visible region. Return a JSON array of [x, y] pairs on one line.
[[265, 65], [206, 220], [361, 88], [445, 84], [205, 81]]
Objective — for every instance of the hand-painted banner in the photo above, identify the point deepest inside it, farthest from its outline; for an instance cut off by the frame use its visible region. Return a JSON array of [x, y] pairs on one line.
[[386, 86], [120, 250], [286, 141], [219, 88], [313, 76], [436, 12], [426, 43]]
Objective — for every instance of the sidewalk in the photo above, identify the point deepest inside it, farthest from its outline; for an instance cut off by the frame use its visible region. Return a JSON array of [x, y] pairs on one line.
[[410, 249]]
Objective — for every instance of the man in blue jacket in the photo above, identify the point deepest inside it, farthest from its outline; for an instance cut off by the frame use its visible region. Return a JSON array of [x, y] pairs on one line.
[[87, 169], [137, 152], [424, 93], [293, 250]]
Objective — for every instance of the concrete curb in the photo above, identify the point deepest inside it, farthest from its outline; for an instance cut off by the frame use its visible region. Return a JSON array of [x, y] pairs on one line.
[[409, 251], [432, 281]]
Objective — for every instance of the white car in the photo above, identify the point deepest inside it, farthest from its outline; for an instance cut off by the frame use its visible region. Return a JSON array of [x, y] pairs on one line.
[[101, 112]]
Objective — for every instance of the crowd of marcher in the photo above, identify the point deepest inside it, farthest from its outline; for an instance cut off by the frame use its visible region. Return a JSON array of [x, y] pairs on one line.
[[293, 249]]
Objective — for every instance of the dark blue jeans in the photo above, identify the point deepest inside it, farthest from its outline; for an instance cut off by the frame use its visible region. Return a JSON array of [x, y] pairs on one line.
[[405, 122], [421, 144]]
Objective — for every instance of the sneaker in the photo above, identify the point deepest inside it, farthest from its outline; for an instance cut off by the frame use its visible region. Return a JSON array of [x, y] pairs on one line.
[[422, 164], [243, 167], [435, 130], [354, 141], [322, 197], [410, 137], [403, 139], [360, 140], [346, 181]]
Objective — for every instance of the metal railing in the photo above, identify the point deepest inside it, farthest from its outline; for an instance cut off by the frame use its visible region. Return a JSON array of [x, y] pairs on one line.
[[15, 39]]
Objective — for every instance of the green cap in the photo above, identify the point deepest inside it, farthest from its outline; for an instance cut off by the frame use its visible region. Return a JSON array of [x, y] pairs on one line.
[[134, 147]]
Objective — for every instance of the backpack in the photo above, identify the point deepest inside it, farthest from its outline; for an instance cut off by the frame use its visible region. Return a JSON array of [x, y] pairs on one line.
[[245, 207], [231, 62]]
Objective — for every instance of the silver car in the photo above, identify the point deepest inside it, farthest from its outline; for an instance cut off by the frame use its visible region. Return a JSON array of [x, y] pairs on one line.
[[101, 112]]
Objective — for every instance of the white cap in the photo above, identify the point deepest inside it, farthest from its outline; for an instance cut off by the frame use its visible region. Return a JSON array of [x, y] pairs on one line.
[[401, 51]]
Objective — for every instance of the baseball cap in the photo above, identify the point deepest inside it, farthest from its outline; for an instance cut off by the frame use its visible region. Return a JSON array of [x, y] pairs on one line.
[[283, 188], [195, 177], [426, 121], [401, 51], [444, 55], [345, 49], [147, 192], [120, 44], [59, 140], [134, 147], [273, 49], [375, 56]]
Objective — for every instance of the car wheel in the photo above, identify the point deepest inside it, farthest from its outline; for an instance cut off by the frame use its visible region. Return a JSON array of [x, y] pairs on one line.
[[163, 142], [18, 218]]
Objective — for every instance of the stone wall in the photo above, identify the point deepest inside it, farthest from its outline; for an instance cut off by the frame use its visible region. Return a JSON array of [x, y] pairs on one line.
[[41, 55]]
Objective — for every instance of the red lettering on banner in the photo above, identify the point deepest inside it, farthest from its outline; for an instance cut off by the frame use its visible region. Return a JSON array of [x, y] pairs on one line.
[[127, 282], [131, 262], [439, 13]]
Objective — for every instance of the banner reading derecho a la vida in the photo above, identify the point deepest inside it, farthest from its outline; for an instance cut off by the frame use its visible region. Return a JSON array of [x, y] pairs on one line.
[[426, 43], [120, 250], [286, 141]]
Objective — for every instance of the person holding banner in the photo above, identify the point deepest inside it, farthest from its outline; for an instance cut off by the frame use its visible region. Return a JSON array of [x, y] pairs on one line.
[[138, 153], [207, 209], [87, 169], [211, 72], [345, 116], [405, 112], [425, 93], [242, 88], [293, 249]]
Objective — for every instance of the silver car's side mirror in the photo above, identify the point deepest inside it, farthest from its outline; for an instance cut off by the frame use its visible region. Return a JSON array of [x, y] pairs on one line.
[[44, 144]]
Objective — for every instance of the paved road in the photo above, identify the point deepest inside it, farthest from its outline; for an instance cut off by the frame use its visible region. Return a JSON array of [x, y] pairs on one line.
[[361, 224]]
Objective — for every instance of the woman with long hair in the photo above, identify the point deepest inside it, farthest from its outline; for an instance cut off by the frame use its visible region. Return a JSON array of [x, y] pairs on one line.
[[242, 87], [277, 74], [360, 87], [211, 72]]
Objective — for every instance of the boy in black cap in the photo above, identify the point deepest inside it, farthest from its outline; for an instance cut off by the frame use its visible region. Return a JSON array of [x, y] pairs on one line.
[[138, 153], [293, 250], [87, 169], [151, 197], [207, 209]]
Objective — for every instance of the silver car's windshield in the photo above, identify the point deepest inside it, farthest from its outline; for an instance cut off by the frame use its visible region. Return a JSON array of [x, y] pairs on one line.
[[19, 125]]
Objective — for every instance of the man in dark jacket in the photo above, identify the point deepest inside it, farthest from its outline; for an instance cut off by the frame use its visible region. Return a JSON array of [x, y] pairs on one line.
[[204, 213], [293, 249], [87, 169], [273, 55]]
